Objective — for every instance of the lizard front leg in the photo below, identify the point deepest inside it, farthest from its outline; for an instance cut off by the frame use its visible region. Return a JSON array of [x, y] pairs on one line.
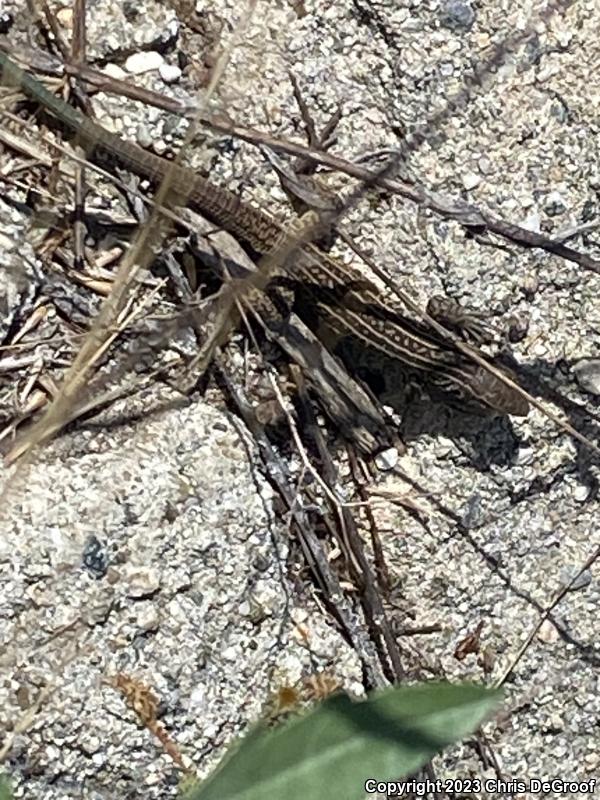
[[466, 324]]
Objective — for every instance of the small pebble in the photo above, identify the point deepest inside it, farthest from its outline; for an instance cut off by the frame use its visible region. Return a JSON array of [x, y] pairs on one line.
[[65, 18], [532, 222], [169, 73], [547, 632], [94, 557], [146, 617], [457, 15], [524, 456], [485, 166], [555, 204], [530, 286], [592, 761], [581, 493], [387, 459], [148, 61], [587, 373], [142, 582], [471, 180], [144, 137], [231, 653], [115, 71]]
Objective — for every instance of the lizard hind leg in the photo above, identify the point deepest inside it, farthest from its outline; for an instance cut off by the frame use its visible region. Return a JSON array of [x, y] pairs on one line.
[[468, 325]]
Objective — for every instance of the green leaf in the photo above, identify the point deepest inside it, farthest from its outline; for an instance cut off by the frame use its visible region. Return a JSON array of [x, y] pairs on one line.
[[334, 749], [5, 791]]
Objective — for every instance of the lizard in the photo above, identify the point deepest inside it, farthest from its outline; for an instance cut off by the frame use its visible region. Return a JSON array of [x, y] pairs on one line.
[[346, 303]]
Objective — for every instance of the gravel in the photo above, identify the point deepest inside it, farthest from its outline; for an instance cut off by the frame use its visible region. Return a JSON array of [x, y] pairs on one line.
[[152, 547]]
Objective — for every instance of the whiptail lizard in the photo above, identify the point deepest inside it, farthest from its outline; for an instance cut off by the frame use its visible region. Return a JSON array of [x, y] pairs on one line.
[[346, 302]]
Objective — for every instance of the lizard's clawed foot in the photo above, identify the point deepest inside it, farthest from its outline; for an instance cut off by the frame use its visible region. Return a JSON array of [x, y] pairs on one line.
[[469, 326]]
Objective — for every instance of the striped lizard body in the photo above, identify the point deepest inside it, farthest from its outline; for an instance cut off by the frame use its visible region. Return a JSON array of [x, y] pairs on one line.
[[347, 304]]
